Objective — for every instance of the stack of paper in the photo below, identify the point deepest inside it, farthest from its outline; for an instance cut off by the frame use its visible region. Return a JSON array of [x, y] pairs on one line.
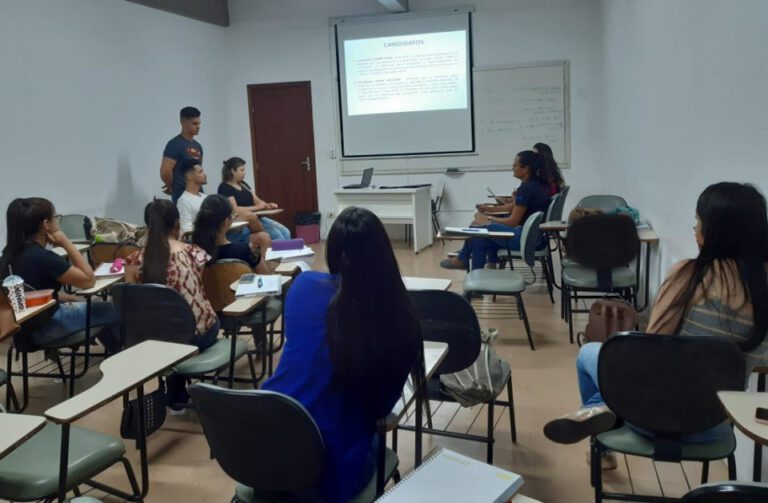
[[261, 285], [306, 254], [449, 477]]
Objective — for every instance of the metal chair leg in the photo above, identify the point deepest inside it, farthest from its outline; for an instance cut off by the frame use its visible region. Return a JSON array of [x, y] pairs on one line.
[[704, 472], [489, 454], [524, 316], [511, 400], [731, 467]]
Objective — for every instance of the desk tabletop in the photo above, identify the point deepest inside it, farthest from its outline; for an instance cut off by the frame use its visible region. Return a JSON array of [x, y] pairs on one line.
[[266, 213], [121, 373], [434, 354], [646, 235], [15, 429], [31, 312], [101, 284], [457, 236], [244, 305], [415, 283], [61, 252], [740, 407]]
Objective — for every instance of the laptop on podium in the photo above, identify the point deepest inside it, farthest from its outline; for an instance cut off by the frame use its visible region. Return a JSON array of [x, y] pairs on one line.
[[365, 182]]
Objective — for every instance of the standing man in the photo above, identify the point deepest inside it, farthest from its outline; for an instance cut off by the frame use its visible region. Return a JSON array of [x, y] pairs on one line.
[[179, 148]]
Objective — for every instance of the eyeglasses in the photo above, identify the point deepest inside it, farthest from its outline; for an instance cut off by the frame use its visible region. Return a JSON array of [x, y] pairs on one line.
[[56, 217]]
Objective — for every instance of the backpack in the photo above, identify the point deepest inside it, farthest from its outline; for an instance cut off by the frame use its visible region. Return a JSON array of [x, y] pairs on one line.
[[109, 230], [606, 317], [483, 380]]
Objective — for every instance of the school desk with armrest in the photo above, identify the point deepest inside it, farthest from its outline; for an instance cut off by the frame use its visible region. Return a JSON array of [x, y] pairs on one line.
[[62, 456]]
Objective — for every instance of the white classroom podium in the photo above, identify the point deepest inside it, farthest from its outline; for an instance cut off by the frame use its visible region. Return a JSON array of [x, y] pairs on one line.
[[394, 206]]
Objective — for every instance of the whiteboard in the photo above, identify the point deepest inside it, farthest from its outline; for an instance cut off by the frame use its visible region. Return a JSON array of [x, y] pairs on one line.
[[514, 107]]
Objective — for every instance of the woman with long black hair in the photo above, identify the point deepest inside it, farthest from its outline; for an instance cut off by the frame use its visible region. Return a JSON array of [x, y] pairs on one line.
[[211, 226], [167, 261], [550, 171], [352, 337], [723, 291], [32, 223], [530, 197]]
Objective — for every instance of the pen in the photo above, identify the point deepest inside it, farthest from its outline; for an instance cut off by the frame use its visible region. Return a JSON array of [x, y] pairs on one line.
[[259, 283]]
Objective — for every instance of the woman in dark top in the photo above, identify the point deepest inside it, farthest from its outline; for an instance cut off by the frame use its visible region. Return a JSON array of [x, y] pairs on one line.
[[32, 224], [210, 234], [352, 337], [531, 196], [245, 200]]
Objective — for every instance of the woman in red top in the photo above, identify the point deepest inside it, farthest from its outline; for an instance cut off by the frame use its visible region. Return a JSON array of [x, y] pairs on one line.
[[168, 261]]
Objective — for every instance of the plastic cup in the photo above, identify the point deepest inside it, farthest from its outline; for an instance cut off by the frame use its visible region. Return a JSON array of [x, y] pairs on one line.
[[14, 285]]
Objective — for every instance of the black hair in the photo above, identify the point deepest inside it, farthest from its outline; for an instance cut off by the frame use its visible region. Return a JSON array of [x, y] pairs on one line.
[[372, 327], [550, 171], [734, 226], [214, 210], [187, 165], [23, 220], [229, 166], [189, 113], [161, 217], [534, 162]]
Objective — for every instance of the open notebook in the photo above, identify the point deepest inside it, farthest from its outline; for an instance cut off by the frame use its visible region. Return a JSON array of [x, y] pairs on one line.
[[449, 477]]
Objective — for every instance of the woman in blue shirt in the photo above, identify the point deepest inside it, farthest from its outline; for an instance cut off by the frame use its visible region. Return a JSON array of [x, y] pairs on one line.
[[531, 196], [352, 337]]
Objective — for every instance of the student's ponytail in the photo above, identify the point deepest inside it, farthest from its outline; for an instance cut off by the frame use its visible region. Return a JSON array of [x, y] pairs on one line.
[[161, 217]]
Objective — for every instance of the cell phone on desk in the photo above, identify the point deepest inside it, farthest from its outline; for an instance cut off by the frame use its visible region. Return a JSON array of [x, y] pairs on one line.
[[761, 415], [247, 279]]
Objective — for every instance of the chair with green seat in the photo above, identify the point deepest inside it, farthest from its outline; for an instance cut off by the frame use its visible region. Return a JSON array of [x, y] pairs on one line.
[[728, 492], [157, 312], [507, 282], [240, 424], [31, 471], [217, 280], [667, 387], [603, 246]]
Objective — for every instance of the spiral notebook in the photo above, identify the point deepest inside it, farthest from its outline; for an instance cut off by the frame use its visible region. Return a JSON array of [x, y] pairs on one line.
[[449, 477]]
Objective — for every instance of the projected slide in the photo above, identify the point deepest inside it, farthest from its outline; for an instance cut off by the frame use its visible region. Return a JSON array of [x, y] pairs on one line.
[[412, 73]]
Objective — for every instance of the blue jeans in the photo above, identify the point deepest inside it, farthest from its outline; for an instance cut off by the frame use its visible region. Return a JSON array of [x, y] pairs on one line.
[[276, 230], [241, 235], [177, 389], [586, 370], [479, 249], [70, 318]]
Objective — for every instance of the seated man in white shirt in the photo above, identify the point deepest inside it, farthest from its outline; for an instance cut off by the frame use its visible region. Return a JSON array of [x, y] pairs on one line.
[[190, 201]]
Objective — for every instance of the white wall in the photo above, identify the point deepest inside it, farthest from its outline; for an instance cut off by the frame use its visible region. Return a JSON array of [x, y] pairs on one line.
[[90, 91], [279, 41], [685, 106]]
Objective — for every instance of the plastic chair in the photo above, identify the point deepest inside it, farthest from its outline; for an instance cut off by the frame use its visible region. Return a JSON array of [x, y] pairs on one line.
[[603, 246], [239, 423], [157, 312], [76, 227], [667, 386], [741, 492], [555, 211], [449, 318], [507, 282], [217, 280]]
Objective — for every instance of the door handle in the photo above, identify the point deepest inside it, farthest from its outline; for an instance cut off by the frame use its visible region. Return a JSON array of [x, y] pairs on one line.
[[307, 163]]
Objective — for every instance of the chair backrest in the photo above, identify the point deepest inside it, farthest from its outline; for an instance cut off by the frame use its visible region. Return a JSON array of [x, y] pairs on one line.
[[262, 439], [668, 384], [531, 237], [102, 252], [728, 492], [555, 210], [125, 249], [605, 203], [448, 317], [603, 242], [153, 312], [76, 227], [218, 277]]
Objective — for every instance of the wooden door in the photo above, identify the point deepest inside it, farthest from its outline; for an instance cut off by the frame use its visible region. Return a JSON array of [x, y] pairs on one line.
[[283, 145]]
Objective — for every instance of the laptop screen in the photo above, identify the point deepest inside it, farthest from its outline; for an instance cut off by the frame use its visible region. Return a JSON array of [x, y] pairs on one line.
[[367, 177]]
